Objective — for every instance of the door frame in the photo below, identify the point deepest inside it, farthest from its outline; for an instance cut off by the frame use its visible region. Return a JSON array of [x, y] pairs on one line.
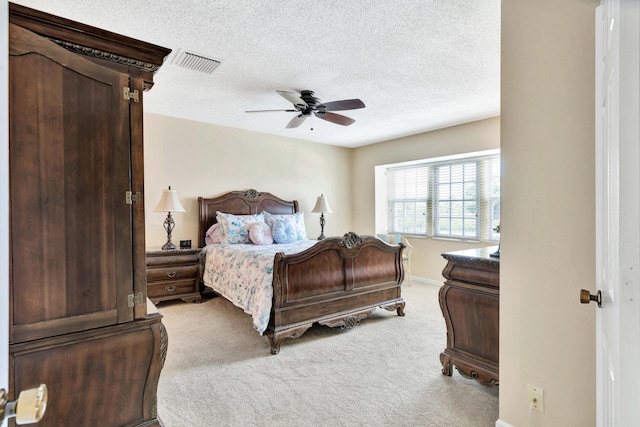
[[4, 195]]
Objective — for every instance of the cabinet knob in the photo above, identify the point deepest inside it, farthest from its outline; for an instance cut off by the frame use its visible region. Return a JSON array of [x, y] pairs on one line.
[[586, 297]]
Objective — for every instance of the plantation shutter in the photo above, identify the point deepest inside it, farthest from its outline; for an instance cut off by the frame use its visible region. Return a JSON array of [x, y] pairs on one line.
[[491, 187], [407, 199], [454, 199]]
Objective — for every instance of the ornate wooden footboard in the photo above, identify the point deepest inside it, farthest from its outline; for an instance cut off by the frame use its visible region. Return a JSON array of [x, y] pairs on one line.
[[337, 282]]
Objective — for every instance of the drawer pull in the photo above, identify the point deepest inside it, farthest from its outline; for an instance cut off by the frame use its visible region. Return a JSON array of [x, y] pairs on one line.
[[172, 274], [170, 288]]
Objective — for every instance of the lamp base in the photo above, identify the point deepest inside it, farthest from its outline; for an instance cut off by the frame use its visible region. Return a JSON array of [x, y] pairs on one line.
[[495, 254], [168, 246], [321, 237]]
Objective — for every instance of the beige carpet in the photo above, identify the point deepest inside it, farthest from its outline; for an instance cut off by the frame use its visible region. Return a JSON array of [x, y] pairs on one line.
[[386, 371]]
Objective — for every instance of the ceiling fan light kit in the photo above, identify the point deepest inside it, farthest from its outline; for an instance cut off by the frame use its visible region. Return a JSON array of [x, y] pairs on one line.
[[306, 104]]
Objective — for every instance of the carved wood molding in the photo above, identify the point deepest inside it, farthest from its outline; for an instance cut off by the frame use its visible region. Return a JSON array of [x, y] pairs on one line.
[[108, 56], [481, 377], [347, 322], [121, 51], [164, 344], [350, 240], [249, 194]]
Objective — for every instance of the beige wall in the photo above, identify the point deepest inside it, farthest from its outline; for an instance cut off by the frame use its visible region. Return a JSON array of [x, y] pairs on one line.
[[199, 159], [548, 240], [476, 136]]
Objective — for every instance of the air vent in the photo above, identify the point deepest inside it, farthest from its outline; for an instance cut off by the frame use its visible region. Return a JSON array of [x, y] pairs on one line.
[[195, 61]]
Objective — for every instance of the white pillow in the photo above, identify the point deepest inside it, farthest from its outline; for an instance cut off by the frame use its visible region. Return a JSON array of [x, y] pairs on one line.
[[235, 228]]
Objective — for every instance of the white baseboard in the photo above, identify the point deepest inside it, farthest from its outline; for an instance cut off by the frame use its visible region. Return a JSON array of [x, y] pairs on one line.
[[429, 281], [500, 423]]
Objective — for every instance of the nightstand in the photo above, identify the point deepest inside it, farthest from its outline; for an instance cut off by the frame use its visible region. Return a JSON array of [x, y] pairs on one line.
[[173, 274]]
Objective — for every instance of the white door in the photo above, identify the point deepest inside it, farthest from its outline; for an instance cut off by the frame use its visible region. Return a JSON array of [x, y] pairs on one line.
[[618, 212]]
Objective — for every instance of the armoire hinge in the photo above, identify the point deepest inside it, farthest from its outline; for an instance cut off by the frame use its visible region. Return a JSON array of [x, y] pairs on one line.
[[131, 198], [135, 299], [128, 95]]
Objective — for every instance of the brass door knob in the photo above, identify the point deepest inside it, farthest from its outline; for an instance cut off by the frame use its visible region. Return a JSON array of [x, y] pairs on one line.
[[28, 409], [586, 297]]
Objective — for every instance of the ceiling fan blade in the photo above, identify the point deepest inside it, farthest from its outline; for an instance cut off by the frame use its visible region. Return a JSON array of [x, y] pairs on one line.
[[335, 118], [296, 121], [345, 104], [292, 97], [268, 111]]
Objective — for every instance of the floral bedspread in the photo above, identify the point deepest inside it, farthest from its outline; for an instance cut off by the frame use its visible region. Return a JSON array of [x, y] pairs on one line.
[[244, 274]]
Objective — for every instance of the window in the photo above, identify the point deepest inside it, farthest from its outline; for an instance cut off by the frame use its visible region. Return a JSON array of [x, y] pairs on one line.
[[408, 198], [456, 199], [452, 199]]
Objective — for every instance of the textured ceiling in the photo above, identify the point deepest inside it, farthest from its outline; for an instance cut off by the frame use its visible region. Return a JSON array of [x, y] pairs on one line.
[[418, 65]]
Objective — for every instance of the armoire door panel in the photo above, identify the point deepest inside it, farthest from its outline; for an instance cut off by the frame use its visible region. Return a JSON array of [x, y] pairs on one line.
[[69, 160], [63, 325], [116, 369]]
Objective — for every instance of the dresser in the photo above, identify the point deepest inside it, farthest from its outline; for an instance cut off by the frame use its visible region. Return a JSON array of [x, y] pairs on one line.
[[173, 274], [470, 303], [79, 318]]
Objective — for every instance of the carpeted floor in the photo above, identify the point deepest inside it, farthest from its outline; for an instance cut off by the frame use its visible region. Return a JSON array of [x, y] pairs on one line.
[[386, 371]]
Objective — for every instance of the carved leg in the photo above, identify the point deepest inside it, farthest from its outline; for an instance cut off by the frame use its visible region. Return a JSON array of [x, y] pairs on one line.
[[398, 306], [196, 299], [275, 338], [275, 344], [447, 366]]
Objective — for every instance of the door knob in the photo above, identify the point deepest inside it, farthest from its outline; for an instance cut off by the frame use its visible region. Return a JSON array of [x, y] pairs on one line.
[[28, 409], [586, 297]]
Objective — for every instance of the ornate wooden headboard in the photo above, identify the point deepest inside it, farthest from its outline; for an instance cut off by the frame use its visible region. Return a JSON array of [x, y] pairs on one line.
[[239, 203]]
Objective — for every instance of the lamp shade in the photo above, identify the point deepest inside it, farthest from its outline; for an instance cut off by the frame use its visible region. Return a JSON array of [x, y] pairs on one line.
[[322, 205], [169, 202]]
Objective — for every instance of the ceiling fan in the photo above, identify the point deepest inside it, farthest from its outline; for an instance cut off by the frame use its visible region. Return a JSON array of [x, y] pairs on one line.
[[306, 104]]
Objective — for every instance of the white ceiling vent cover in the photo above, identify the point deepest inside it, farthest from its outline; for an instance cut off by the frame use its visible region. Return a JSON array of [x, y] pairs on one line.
[[195, 61]]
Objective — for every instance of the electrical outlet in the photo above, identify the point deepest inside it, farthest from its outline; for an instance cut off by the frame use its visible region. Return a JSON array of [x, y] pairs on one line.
[[536, 393]]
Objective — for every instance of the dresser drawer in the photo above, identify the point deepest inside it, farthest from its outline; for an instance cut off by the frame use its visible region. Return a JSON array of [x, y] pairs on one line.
[[169, 259], [172, 273], [169, 289]]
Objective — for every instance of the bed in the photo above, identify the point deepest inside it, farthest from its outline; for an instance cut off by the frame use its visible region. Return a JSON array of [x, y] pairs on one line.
[[335, 282]]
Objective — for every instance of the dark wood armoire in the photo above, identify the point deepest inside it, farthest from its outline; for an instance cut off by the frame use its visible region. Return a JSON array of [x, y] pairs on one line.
[[79, 317]]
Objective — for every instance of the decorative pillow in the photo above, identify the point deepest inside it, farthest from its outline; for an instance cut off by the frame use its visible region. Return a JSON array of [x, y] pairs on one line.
[[295, 220], [260, 233], [212, 235], [235, 228], [284, 232]]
